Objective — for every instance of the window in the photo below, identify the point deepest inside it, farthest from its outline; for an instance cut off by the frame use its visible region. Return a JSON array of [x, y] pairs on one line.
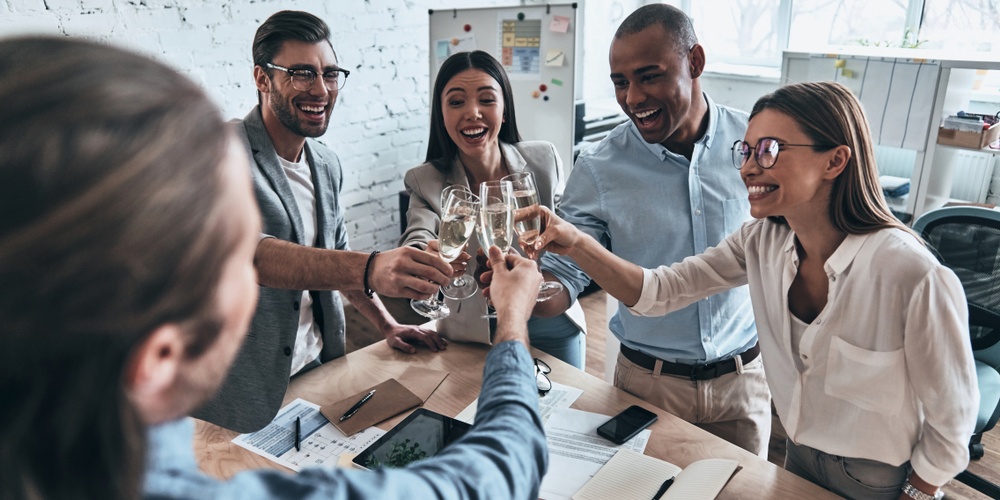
[[743, 32], [754, 32], [818, 23], [961, 25]]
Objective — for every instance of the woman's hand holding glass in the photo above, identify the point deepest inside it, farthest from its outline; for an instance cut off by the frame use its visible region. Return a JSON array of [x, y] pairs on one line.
[[458, 222], [557, 236]]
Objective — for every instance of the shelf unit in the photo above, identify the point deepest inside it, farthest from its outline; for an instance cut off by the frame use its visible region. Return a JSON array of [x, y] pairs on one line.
[[906, 94]]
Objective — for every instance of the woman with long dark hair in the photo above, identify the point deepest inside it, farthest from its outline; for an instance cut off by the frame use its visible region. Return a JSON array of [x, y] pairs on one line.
[[474, 139]]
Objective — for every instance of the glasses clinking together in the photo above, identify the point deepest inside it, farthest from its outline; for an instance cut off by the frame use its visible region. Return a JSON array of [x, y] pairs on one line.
[[303, 79], [765, 152]]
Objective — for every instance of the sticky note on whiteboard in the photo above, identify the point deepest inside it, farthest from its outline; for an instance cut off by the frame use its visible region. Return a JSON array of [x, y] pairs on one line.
[[466, 43], [559, 24], [555, 57]]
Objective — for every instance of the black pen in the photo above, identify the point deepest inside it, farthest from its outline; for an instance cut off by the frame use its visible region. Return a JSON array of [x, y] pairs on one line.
[[298, 433], [354, 409], [663, 488]]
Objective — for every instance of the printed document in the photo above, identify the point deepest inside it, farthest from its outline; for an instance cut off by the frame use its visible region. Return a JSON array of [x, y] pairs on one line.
[[576, 452], [320, 443], [560, 396]]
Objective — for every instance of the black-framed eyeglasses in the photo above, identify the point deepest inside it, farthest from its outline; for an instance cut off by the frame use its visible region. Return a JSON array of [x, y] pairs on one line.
[[541, 377], [765, 152], [304, 79]]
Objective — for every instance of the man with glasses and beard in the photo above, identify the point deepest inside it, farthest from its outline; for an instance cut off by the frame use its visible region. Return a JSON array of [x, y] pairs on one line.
[[303, 256]]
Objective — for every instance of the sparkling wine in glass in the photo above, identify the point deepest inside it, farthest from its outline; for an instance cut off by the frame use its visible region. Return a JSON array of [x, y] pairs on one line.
[[524, 193], [456, 229], [458, 223], [496, 223], [496, 226]]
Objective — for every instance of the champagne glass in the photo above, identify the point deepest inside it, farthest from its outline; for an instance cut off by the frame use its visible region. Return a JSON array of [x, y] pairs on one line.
[[458, 223], [455, 231], [525, 195], [496, 223]]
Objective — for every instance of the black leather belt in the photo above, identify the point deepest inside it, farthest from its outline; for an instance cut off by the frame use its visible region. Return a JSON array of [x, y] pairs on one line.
[[694, 372]]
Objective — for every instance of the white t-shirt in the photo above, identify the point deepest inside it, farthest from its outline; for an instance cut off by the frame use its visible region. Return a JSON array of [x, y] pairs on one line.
[[308, 341]]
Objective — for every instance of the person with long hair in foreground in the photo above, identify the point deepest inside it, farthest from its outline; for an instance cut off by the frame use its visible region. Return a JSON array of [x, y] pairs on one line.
[[126, 261]]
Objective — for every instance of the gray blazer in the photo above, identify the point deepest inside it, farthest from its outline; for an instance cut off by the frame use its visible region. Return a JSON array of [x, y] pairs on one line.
[[251, 395], [424, 183]]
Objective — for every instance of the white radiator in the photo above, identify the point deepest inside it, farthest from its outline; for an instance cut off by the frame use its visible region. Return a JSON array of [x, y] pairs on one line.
[[972, 172]]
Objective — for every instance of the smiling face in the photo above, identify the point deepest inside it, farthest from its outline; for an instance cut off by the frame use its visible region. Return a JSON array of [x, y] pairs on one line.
[[799, 183], [303, 113], [653, 83], [473, 112]]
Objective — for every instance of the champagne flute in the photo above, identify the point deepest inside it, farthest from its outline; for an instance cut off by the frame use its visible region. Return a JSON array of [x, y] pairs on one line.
[[525, 195], [461, 287], [458, 222], [496, 223], [456, 229]]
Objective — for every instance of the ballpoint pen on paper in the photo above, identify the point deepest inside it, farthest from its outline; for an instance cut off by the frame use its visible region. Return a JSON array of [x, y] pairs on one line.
[[354, 409], [663, 488], [298, 433]]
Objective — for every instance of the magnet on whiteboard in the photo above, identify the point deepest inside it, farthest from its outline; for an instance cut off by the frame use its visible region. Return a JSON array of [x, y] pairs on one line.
[[542, 87], [520, 16], [468, 27], [840, 63], [546, 98], [535, 94], [454, 41]]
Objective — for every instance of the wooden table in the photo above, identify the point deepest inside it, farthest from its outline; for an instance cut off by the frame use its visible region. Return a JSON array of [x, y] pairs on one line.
[[673, 439]]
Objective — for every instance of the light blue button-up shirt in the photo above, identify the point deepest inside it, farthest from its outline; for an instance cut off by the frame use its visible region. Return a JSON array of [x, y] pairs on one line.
[[653, 207], [504, 455]]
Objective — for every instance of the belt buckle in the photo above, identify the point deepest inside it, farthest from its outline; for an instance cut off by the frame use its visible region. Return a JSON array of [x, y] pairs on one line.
[[699, 372]]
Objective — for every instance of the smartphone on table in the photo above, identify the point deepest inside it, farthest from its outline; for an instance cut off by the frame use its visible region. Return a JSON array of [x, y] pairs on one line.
[[626, 424]]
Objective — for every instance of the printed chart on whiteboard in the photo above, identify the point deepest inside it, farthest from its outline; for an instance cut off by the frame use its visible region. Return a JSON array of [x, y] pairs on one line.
[[521, 47]]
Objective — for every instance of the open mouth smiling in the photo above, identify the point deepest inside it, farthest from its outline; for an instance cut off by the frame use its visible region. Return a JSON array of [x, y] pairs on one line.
[[647, 116], [474, 133]]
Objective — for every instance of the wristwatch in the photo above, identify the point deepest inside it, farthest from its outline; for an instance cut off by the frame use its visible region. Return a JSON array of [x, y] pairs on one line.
[[912, 492]]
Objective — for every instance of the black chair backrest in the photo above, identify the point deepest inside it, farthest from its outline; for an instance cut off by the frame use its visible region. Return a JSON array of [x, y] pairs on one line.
[[970, 246]]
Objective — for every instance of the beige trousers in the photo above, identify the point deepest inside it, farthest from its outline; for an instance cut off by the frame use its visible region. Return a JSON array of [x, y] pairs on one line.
[[735, 406]]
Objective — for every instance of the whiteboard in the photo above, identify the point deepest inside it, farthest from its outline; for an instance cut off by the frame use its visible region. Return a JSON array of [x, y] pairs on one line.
[[537, 49]]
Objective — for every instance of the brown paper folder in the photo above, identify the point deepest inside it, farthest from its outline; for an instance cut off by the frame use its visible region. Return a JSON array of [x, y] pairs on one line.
[[422, 381], [390, 399]]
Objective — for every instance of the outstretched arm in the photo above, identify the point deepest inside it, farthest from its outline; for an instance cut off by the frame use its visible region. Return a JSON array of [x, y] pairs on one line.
[[618, 277], [401, 272]]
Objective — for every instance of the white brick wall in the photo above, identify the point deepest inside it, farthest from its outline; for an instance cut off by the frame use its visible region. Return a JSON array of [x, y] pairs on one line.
[[379, 127]]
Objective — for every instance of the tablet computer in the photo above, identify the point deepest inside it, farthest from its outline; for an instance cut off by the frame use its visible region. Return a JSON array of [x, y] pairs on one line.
[[420, 435]]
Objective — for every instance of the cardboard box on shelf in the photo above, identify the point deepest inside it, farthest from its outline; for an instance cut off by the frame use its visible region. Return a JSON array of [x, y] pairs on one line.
[[971, 140]]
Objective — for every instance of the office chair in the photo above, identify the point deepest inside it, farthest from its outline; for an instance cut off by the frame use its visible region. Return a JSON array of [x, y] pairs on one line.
[[967, 240]]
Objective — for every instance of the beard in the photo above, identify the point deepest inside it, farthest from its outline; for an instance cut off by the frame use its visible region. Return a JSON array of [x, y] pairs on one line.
[[283, 108]]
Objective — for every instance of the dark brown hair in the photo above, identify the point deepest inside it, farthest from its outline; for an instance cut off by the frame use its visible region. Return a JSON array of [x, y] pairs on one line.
[[830, 115], [111, 227], [441, 150], [282, 26]]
